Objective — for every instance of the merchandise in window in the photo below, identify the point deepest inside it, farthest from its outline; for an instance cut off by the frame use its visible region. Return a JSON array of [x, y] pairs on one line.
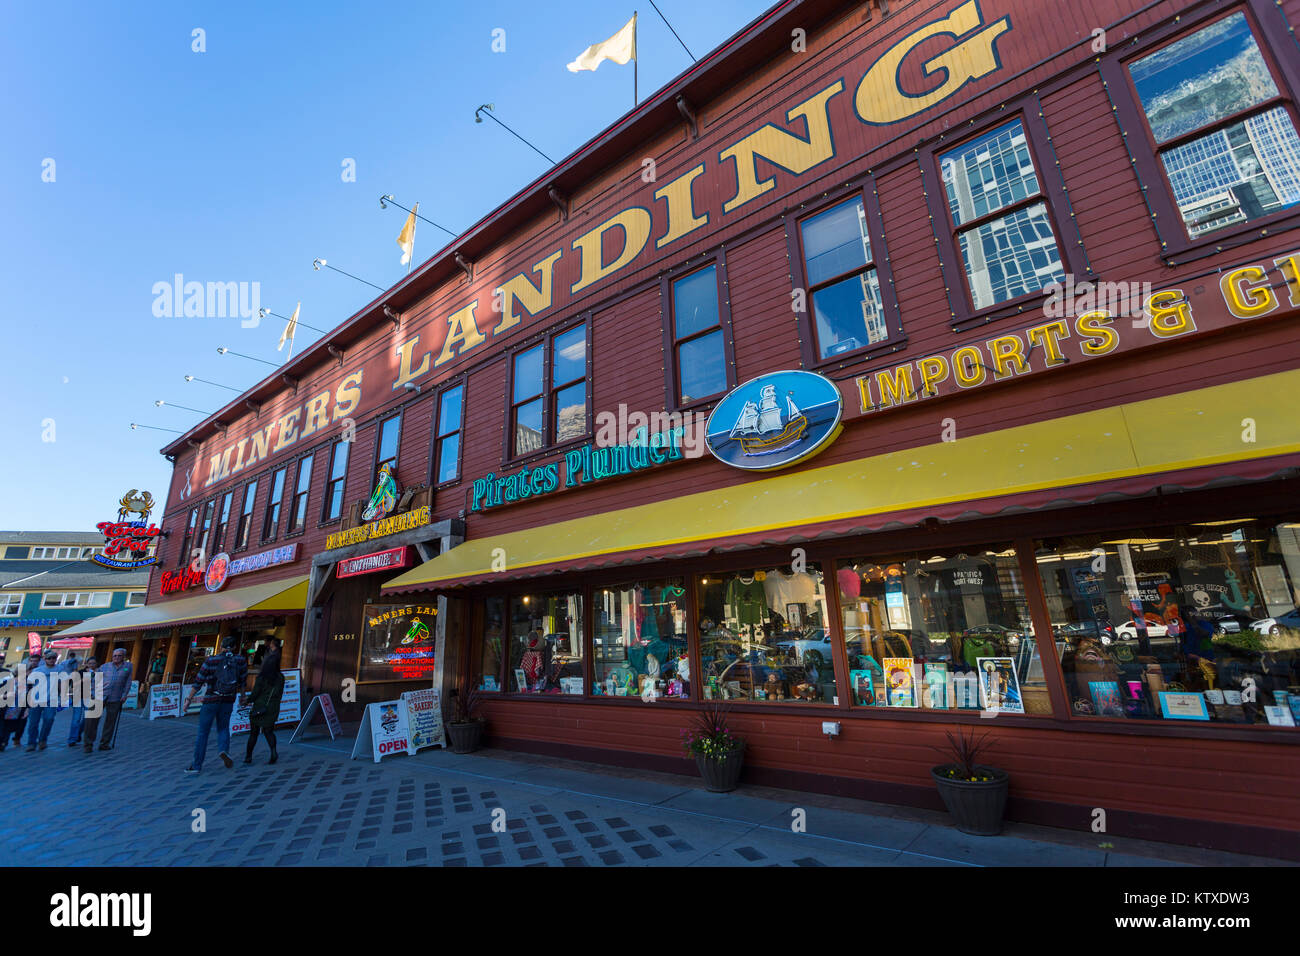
[[941, 632], [843, 285], [1197, 622], [494, 629], [546, 644], [1003, 231], [1225, 138], [764, 637], [640, 641]]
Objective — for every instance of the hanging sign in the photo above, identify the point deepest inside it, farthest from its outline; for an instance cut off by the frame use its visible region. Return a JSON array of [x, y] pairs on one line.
[[385, 729], [164, 700], [369, 563], [424, 716], [775, 420], [126, 543]]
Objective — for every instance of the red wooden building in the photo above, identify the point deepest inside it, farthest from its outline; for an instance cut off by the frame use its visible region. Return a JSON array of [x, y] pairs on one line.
[[1040, 269]]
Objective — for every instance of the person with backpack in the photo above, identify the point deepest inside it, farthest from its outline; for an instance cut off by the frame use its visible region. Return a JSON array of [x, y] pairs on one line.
[[224, 675]]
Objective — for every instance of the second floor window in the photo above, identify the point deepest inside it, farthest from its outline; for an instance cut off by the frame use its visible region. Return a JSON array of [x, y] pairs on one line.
[[83, 599], [390, 434], [205, 536], [190, 527], [246, 515], [135, 599], [1221, 126], [699, 342], [334, 484], [843, 284], [272, 523], [548, 398], [223, 521], [298, 507], [10, 604], [999, 213], [447, 435]]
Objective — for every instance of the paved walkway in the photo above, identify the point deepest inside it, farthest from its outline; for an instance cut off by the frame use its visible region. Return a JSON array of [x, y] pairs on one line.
[[317, 807]]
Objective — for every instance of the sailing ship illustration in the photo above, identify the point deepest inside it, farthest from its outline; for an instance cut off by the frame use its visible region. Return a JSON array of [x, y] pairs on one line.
[[760, 428]]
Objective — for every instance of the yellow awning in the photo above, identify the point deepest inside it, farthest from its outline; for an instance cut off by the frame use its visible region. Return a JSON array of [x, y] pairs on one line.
[[283, 595], [1191, 429]]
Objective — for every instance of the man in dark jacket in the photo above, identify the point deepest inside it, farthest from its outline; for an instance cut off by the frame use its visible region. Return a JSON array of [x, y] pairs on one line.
[[224, 675]]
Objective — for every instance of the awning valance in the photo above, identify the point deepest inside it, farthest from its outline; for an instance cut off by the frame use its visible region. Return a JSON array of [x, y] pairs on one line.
[[1191, 439], [284, 595]]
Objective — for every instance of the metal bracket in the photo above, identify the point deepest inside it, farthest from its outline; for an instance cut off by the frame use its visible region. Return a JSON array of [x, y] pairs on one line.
[[561, 202], [689, 115], [465, 264]]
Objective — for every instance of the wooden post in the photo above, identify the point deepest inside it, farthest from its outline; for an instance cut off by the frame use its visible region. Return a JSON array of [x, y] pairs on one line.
[[173, 650]]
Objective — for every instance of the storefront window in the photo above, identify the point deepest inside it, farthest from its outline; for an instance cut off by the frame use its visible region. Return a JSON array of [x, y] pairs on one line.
[[941, 632], [764, 637], [546, 644], [1197, 622], [398, 643], [640, 641], [494, 627]]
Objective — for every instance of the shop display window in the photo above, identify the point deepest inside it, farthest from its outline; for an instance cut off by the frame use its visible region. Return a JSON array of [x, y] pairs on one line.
[[947, 631], [546, 644], [398, 642], [494, 629], [764, 637], [640, 642], [1195, 623]]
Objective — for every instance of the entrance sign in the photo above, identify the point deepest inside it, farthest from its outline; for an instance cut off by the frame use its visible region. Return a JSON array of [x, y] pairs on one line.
[[320, 704], [775, 420], [164, 700], [397, 643], [386, 729], [424, 714], [369, 563]]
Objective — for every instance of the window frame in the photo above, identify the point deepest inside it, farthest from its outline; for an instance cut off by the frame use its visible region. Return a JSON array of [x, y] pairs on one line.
[[223, 520], [1177, 245], [6, 598], [435, 450], [294, 526], [241, 542], [328, 494], [278, 504], [397, 451], [140, 594], [191, 526], [546, 341], [205, 527], [963, 315], [671, 344], [808, 345]]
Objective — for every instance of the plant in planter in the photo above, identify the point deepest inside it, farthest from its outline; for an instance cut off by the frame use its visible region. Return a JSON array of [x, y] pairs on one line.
[[465, 729], [975, 794], [718, 752]]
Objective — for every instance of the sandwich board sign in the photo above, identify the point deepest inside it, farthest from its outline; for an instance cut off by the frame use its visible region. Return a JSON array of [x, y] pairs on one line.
[[385, 730], [164, 700], [290, 697], [424, 717], [321, 704]]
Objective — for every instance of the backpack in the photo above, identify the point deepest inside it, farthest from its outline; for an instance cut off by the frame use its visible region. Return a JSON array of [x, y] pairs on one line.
[[226, 682]]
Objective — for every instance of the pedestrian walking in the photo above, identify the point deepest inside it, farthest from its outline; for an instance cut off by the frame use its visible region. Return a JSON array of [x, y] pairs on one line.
[[224, 675], [10, 712], [117, 681], [267, 691], [42, 700], [77, 700]]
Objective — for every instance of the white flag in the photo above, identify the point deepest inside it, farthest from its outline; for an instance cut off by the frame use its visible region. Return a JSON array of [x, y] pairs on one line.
[[406, 238], [620, 48], [289, 329]]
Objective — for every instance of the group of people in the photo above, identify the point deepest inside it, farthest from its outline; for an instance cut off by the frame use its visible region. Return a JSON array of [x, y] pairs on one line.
[[222, 678], [49, 689]]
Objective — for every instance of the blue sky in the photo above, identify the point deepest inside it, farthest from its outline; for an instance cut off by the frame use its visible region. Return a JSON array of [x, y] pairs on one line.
[[225, 166]]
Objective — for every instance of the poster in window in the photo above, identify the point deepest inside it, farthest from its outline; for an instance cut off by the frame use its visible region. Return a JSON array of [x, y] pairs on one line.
[[1105, 698], [397, 643], [999, 685], [900, 682], [863, 687]]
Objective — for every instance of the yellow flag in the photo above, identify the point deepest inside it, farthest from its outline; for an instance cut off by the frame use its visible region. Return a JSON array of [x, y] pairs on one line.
[[620, 48], [289, 329], [406, 238]]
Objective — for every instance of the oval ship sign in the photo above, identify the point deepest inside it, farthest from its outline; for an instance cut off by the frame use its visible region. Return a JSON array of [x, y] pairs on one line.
[[775, 420]]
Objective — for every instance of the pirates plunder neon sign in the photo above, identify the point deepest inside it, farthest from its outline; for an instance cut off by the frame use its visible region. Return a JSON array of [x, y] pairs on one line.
[[580, 466]]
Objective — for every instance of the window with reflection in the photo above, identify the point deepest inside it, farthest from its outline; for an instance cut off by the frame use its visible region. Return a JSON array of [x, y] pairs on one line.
[[494, 629], [390, 434], [843, 285], [447, 434], [699, 345], [764, 636], [640, 641], [1195, 622], [545, 636], [1222, 128], [947, 631]]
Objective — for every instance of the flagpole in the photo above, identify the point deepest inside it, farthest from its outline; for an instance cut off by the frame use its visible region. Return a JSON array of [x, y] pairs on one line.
[[636, 56], [415, 224]]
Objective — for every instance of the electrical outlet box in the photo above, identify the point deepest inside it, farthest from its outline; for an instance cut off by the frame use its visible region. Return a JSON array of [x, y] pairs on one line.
[[831, 728]]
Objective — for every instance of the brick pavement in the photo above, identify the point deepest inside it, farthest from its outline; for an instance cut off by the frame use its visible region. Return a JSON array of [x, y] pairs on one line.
[[317, 807]]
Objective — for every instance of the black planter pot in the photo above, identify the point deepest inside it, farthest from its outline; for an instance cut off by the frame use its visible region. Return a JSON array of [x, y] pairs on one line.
[[722, 774], [465, 737], [976, 807]]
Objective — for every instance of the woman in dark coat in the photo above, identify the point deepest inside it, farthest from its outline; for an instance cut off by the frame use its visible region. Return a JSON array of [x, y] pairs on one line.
[[267, 690]]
